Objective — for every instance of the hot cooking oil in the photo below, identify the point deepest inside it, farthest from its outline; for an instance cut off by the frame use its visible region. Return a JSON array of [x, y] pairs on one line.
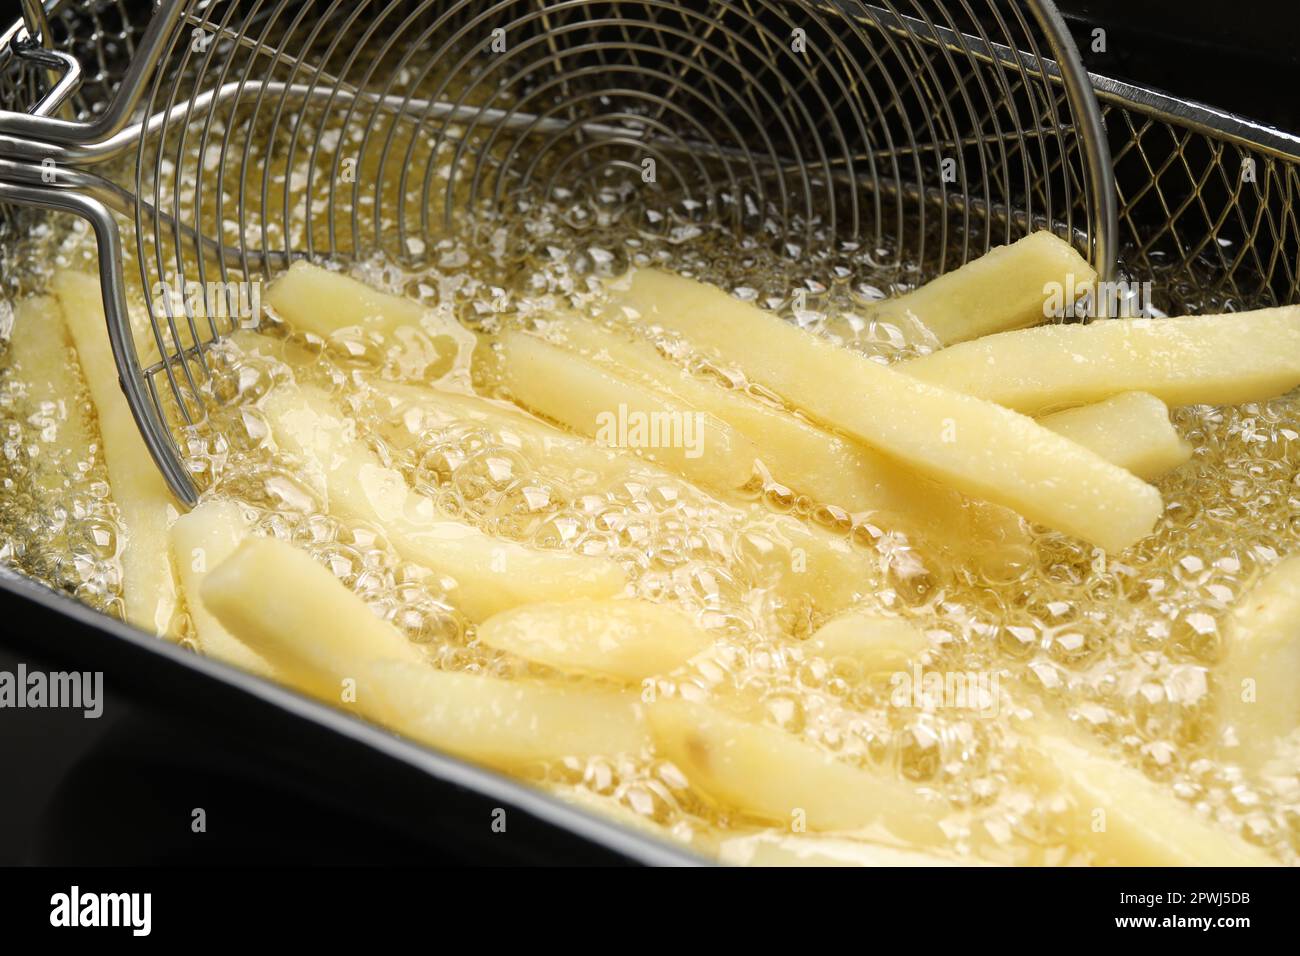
[[1130, 642]]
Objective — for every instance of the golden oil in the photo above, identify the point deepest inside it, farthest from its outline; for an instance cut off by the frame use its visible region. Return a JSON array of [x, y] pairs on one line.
[[1130, 641]]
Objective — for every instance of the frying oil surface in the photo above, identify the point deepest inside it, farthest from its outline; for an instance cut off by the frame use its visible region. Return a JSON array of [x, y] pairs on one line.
[[1128, 641]]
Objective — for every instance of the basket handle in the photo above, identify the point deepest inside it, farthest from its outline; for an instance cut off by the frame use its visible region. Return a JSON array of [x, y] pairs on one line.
[[65, 65]]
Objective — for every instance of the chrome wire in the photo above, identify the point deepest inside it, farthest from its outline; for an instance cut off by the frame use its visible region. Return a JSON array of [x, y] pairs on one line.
[[930, 130]]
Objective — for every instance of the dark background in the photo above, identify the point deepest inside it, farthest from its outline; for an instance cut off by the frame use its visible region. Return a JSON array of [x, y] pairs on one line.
[[1241, 57], [121, 789], [37, 749]]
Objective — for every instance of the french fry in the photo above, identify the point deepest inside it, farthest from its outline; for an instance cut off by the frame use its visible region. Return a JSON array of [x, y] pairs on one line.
[[769, 774], [812, 460], [809, 459], [301, 619], [1009, 287], [316, 300], [1121, 817], [802, 561], [805, 562], [40, 352], [619, 412], [776, 849], [974, 446], [347, 313], [412, 409], [502, 723], [881, 645], [320, 636], [1257, 692], [492, 574], [1210, 359], [628, 640], [201, 540], [144, 502], [1131, 430]]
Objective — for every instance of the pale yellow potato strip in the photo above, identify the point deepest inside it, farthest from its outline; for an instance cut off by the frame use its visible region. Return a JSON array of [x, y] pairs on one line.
[[807, 562], [502, 723], [618, 412], [324, 640], [809, 459], [1211, 359], [1009, 287], [880, 645], [144, 502], [813, 461], [1121, 817], [784, 850], [492, 574], [201, 540], [411, 409], [1131, 430], [317, 300], [1259, 688], [802, 561], [774, 776], [40, 351], [974, 446], [627, 640], [318, 635]]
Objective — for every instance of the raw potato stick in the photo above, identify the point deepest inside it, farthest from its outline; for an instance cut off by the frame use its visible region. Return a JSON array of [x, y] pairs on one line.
[[974, 446], [1258, 690], [881, 645], [627, 640], [829, 469], [39, 350], [777, 849], [411, 409], [336, 307], [618, 412], [1131, 430], [200, 541], [773, 775], [1009, 287], [797, 453], [284, 606], [143, 500], [805, 562], [502, 723], [492, 574], [1210, 359], [316, 300], [1119, 815], [324, 640]]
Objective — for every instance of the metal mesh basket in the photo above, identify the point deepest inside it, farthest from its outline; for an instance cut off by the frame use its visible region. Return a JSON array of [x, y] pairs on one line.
[[1207, 201], [927, 131]]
